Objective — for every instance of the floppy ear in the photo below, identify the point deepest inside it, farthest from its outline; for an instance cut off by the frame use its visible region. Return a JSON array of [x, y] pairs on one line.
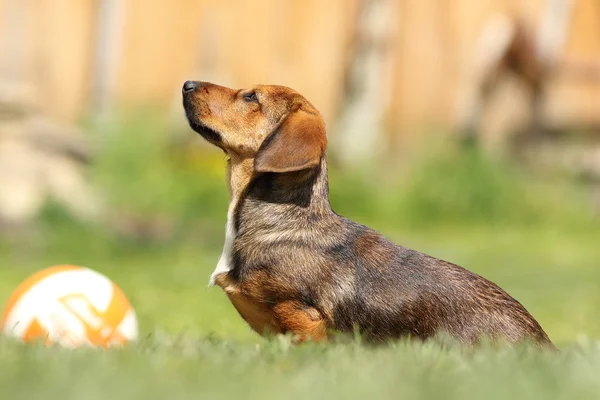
[[296, 144]]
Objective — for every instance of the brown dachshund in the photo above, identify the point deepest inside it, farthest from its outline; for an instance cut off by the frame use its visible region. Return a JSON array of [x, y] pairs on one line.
[[290, 264]]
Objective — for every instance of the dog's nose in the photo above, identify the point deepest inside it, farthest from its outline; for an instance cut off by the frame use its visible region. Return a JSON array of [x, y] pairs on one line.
[[190, 86]]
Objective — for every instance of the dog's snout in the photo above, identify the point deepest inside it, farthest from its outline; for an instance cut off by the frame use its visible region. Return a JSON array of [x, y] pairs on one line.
[[190, 86]]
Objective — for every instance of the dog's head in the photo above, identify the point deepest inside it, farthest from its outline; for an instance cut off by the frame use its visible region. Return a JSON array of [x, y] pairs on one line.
[[274, 126]]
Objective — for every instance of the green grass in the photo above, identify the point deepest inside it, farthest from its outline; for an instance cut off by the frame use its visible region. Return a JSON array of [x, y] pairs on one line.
[[534, 237], [186, 368]]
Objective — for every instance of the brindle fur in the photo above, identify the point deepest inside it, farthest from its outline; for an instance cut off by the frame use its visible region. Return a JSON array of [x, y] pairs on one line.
[[300, 268]]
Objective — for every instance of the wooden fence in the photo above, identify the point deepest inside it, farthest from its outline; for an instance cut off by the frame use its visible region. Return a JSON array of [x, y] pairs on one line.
[[83, 56]]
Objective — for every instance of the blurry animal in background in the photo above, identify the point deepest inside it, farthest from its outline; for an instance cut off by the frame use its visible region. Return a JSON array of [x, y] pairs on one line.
[[290, 264], [512, 48], [504, 102]]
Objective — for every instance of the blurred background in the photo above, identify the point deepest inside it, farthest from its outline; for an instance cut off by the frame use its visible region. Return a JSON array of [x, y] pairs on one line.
[[469, 130]]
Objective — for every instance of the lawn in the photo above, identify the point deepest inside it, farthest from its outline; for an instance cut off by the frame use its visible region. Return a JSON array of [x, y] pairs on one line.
[[533, 237], [182, 368]]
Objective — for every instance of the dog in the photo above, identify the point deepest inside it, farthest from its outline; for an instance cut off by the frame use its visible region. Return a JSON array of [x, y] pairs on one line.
[[292, 265]]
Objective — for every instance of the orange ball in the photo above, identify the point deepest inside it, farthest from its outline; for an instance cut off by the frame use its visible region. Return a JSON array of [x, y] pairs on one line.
[[70, 306]]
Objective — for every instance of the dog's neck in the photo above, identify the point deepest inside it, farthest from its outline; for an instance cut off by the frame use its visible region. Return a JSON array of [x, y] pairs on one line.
[[239, 173], [274, 201], [306, 189]]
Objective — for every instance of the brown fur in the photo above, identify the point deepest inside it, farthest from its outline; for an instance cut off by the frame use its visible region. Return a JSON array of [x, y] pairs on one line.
[[298, 267], [247, 301]]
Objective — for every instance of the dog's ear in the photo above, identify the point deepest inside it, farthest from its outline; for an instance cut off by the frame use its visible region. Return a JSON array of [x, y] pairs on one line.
[[296, 144]]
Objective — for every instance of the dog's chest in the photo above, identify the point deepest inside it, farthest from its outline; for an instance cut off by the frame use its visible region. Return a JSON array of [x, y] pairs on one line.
[[225, 264]]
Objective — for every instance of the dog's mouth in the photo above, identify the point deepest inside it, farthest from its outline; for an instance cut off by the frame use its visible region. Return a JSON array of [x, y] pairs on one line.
[[207, 133]]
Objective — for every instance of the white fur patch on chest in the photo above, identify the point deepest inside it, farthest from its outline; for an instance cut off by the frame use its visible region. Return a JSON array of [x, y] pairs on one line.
[[224, 265]]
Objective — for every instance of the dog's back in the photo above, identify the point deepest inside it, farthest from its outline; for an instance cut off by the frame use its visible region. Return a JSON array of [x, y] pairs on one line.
[[403, 292]]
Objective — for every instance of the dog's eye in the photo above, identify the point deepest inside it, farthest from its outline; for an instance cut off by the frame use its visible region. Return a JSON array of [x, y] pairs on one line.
[[251, 97]]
